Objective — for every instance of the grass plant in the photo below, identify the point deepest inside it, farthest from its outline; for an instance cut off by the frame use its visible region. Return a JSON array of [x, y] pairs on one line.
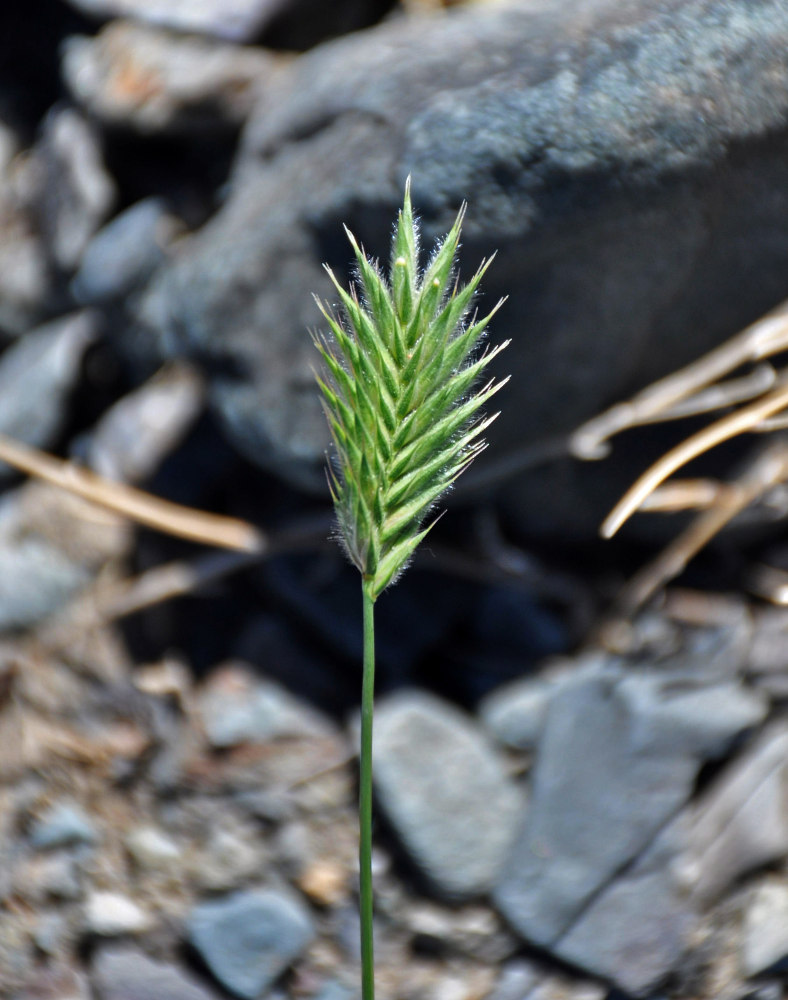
[[400, 390]]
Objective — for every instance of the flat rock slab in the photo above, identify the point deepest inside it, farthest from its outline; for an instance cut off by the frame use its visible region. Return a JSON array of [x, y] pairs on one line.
[[444, 790], [628, 161], [608, 868]]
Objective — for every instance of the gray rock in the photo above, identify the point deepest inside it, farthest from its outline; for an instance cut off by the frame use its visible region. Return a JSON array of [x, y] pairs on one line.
[[618, 758], [689, 716], [236, 707], [515, 713], [77, 193], [59, 876], [154, 81], [235, 20], [141, 429], [37, 375], [51, 935], [516, 980], [125, 253], [126, 973], [62, 825], [741, 823], [248, 939], [765, 937], [445, 791], [25, 279], [35, 580], [229, 861], [635, 931], [593, 142]]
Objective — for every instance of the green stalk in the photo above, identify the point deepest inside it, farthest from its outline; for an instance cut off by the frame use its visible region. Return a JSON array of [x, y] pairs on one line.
[[365, 798]]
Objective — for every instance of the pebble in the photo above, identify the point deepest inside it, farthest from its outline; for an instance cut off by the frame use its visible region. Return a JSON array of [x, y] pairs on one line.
[[235, 20], [51, 933], [58, 876], [228, 861], [62, 825], [514, 714], [111, 914], [135, 435], [324, 881], [444, 790], [154, 81], [237, 707], [124, 253], [37, 376], [765, 936], [152, 849], [515, 982], [126, 973], [248, 939], [25, 279], [78, 192]]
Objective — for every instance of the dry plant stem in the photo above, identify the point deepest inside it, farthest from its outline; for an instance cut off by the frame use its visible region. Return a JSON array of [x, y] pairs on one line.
[[768, 470], [153, 512], [365, 797], [663, 399], [735, 423]]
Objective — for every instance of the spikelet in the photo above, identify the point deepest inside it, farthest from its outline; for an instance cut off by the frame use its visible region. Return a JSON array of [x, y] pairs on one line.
[[402, 363]]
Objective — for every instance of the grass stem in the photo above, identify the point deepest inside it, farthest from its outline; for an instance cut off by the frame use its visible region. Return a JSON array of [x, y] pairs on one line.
[[365, 798]]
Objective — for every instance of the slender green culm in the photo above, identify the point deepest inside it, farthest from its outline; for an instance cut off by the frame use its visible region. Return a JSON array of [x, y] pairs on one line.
[[400, 391]]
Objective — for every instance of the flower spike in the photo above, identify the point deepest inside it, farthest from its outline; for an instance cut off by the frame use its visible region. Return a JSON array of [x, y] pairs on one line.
[[400, 364]]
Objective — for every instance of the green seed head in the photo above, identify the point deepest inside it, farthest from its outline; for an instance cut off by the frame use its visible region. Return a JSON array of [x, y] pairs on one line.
[[399, 392]]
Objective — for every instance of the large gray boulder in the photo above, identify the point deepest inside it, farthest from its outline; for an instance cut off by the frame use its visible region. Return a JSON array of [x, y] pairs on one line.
[[626, 159]]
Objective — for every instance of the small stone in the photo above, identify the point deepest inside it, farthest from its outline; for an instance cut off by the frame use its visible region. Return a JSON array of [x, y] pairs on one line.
[[765, 937], [324, 881], [125, 253], [515, 982], [78, 192], [62, 825], [152, 849], [228, 861], [237, 707], [445, 791], [126, 973], [50, 933], [59, 876], [110, 914], [135, 435], [514, 714], [235, 20], [248, 939], [155, 81], [38, 374], [25, 279]]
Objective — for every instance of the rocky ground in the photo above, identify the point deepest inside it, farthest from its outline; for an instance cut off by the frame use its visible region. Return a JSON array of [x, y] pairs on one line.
[[568, 806]]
